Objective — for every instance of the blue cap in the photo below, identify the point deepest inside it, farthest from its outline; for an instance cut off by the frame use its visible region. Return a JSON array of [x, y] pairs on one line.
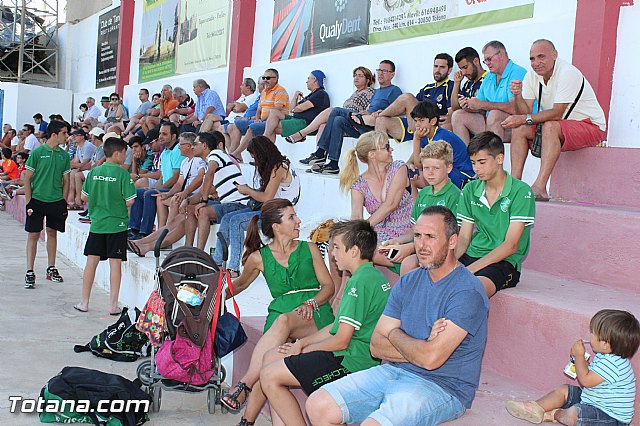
[[319, 75]]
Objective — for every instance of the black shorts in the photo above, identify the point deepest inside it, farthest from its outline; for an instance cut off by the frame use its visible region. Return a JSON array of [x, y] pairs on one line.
[[56, 214], [502, 274], [315, 369], [107, 246]]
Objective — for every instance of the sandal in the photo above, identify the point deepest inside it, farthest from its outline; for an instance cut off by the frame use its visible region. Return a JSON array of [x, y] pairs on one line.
[[233, 273], [245, 422], [231, 400], [291, 140], [134, 248], [356, 118]]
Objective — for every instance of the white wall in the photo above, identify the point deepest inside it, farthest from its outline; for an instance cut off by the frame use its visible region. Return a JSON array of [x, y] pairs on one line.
[[624, 116], [22, 101]]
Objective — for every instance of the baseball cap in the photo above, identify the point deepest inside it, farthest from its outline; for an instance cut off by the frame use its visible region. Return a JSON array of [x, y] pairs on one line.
[[111, 135], [96, 131], [79, 132], [319, 75], [151, 136]]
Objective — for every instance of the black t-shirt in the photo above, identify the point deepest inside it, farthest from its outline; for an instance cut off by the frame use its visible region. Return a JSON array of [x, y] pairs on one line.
[[320, 101]]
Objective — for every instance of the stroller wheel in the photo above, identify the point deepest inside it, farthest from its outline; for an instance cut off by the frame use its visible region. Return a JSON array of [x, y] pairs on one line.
[[156, 398], [212, 400], [144, 372]]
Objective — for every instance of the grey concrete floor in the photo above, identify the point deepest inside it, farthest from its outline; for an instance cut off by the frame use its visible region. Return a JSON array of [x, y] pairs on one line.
[[39, 328]]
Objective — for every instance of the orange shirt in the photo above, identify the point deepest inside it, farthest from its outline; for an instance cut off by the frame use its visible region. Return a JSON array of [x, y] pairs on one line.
[[169, 105], [11, 169], [274, 98]]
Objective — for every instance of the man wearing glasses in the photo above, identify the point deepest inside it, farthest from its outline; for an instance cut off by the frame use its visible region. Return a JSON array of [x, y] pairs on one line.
[[494, 102], [93, 113]]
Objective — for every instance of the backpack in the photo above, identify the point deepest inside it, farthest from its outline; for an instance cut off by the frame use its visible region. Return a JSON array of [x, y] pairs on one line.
[[120, 341], [82, 391]]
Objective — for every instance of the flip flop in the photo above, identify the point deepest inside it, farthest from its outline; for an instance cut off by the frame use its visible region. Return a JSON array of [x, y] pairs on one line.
[[134, 248], [540, 197], [356, 118], [115, 314], [84, 311]]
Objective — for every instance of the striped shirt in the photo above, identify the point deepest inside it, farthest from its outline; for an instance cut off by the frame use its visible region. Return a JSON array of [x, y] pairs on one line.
[[616, 395], [274, 98], [227, 173]]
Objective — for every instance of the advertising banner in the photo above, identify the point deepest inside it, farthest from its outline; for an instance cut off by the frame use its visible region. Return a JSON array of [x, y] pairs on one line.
[[308, 27], [203, 35], [400, 19], [107, 57], [158, 40]]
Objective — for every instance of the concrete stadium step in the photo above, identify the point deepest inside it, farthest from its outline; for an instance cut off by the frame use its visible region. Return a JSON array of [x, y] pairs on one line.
[[596, 244], [609, 176], [533, 326]]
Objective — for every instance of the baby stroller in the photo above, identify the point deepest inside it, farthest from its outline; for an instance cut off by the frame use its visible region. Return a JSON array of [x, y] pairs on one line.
[[193, 269]]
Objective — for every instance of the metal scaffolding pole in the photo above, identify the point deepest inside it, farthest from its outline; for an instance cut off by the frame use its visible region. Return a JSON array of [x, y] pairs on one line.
[[29, 41]]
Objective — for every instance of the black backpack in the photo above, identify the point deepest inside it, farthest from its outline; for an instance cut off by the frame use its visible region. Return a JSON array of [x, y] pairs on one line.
[[91, 387], [120, 341]]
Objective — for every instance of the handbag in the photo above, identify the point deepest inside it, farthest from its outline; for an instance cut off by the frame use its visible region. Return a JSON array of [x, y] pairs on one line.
[[536, 145], [229, 334], [254, 204], [151, 320], [182, 360]]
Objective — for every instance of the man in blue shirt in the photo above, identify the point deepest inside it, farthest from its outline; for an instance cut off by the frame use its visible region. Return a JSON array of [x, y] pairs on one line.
[[342, 122], [42, 126], [396, 121], [209, 109], [438, 366], [494, 101]]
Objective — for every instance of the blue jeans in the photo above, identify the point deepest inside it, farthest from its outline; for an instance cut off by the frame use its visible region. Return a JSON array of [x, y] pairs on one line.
[[338, 126], [588, 415], [143, 210], [393, 396], [232, 227]]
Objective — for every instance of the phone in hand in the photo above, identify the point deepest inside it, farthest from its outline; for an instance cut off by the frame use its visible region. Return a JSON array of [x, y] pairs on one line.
[[413, 173], [235, 183], [393, 253]]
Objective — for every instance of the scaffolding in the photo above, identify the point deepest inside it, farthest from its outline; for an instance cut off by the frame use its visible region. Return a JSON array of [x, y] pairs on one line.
[[29, 41]]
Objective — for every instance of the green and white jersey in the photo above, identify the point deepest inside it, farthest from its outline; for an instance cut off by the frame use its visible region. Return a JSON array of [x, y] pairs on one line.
[[108, 187], [364, 298], [514, 204], [448, 197], [48, 167]]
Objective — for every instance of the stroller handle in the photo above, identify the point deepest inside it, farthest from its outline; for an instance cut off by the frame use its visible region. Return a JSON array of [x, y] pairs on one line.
[[225, 247], [158, 246]]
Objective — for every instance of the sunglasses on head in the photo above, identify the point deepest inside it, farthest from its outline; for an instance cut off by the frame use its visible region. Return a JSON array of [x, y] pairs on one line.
[[267, 77]]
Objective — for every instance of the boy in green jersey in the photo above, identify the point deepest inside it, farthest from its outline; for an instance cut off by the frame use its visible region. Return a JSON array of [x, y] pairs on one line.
[[437, 163], [502, 210], [338, 349], [46, 183], [110, 192]]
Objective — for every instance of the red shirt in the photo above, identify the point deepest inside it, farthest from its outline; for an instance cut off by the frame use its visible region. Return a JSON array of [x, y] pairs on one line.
[[11, 169]]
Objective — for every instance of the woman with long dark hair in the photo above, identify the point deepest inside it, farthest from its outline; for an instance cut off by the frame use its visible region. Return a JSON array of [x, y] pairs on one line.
[[275, 179], [299, 283]]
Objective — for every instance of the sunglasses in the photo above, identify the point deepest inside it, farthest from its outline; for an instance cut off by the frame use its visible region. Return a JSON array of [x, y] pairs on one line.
[[386, 147], [115, 99], [267, 77]]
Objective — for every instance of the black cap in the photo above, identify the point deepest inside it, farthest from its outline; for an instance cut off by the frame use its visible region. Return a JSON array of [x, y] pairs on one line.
[[104, 99], [79, 132], [151, 136]]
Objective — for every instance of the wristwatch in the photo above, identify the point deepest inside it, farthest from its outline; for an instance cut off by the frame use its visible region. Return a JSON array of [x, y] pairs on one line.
[[529, 120], [202, 201]]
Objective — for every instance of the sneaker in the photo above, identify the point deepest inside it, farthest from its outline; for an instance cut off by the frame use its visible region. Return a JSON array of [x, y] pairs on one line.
[[326, 169], [84, 213], [132, 234], [84, 219], [3, 193], [314, 159], [529, 411], [2, 208], [53, 275], [30, 279]]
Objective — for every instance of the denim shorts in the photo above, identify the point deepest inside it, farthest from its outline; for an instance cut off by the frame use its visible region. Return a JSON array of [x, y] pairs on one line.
[[588, 415], [224, 208], [393, 396]]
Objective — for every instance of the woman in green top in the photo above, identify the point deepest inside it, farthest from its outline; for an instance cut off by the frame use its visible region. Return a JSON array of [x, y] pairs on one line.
[[298, 280]]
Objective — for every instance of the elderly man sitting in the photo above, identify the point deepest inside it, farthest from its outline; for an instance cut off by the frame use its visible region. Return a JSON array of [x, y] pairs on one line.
[[209, 109]]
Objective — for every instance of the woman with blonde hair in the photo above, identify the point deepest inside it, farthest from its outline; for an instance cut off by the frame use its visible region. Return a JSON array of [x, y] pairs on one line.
[[363, 80], [383, 190]]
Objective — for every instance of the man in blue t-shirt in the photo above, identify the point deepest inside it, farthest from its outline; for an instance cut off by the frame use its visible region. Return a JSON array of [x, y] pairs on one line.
[[494, 101], [343, 122], [395, 120], [425, 115], [439, 365]]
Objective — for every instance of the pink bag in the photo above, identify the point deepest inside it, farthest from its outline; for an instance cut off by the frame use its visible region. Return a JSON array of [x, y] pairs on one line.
[[182, 360]]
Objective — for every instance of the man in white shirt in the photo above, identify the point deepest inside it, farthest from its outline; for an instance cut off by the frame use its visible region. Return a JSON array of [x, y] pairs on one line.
[[569, 112], [248, 97], [93, 112], [31, 142]]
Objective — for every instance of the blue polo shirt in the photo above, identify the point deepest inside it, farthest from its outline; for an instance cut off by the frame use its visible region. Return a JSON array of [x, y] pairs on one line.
[[490, 91], [170, 160], [253, 108], [462, 168], [383, 97], [439, 94]]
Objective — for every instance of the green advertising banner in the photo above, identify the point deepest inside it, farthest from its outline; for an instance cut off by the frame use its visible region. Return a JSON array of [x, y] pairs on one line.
[[392, 20], [203, 35], [183, 36]]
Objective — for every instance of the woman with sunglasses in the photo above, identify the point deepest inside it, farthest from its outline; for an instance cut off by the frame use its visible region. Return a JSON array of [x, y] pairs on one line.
[[116, 114], [383, 189]]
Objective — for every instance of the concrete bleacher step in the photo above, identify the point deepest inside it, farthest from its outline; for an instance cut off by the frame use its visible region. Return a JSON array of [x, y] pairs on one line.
[[597, 244], [609, 176], [533, 326]]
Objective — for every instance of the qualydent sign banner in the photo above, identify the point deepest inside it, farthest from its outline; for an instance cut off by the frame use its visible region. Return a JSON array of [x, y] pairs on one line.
[[400, 19], [308, 27]]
